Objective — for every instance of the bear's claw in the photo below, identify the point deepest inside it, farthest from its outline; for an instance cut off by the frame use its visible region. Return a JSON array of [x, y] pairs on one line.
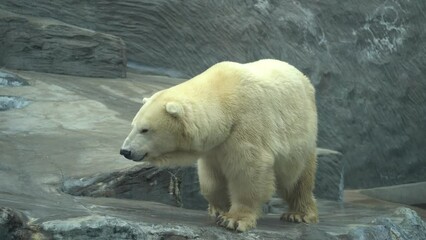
[[238, 224], [299, 218], [214, 212]]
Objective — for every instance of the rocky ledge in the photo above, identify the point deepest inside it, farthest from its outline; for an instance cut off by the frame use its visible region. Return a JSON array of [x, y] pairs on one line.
[[402, 223]]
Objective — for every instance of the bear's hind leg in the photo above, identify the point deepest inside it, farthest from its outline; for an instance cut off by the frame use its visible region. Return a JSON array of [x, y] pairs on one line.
[[213, 187], [300, 198], [251, 183]]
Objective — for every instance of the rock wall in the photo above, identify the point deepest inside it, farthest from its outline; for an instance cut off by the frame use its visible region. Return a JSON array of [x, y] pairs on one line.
[[366, 58], [47, 45]]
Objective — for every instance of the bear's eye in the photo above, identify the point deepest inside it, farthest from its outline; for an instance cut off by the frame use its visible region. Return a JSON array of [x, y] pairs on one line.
[[144, 130]]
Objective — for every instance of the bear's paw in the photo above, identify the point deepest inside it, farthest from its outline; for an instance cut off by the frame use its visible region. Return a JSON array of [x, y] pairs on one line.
[[214, 211], [239, 223], [297, 217]]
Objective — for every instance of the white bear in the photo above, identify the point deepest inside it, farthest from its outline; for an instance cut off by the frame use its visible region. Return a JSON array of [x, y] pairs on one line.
[[252, 128]]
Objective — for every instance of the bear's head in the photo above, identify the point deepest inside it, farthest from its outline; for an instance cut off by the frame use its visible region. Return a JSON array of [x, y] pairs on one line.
[[159, 134]]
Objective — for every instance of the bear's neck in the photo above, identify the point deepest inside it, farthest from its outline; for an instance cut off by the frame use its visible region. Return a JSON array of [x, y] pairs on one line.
[[208, 125]]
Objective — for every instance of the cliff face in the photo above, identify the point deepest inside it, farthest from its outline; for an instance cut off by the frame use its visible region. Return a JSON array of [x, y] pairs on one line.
[[47, 45], [366, 58]]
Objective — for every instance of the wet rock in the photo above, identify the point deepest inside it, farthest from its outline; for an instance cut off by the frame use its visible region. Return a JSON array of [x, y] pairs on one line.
[[11, 80], [410, 194], [403, 224], [92, 227], [13, 225], [104, 227], [11, 102], [409, 226], [47, 45], [366, 59]]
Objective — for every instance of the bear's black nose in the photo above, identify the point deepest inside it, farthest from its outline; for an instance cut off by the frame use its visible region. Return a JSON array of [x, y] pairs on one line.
[[125, 153]]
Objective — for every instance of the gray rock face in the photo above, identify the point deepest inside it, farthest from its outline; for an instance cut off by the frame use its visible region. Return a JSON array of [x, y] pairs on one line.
[[47, 45], [329, 182], [177, 187], [410, 226], [366, 59]]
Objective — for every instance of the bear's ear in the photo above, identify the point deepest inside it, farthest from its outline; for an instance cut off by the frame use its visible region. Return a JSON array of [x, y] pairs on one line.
[[175, 109], [144, 100]]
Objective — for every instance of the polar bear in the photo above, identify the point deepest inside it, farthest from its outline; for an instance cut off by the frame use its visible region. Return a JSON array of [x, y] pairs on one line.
[[252, 128]]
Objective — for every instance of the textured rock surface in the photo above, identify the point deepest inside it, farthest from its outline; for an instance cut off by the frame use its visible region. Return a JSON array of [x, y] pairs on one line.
[[177, 187], [11, 102], [48, 45], [11, 80], [408, 226], [329, 182], [366, 58], [403, 224], [13, 225]]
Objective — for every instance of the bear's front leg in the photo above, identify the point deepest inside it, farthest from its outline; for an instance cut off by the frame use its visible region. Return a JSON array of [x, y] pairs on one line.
[[251, 183], [213, 186]]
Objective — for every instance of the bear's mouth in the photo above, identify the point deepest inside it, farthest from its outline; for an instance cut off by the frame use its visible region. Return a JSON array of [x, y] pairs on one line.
[[141, 159]]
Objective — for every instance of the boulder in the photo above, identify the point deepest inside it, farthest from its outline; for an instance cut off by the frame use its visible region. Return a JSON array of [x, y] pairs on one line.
[[329, 183], [177, 187]]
